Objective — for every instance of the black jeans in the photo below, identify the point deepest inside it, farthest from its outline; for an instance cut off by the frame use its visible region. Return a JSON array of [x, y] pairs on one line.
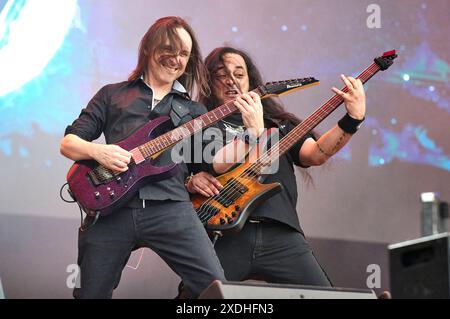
[[270, 251], [171, 229]]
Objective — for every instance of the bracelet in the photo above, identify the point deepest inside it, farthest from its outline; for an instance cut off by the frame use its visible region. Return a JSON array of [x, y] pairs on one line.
[[350, 125], [187, 180]]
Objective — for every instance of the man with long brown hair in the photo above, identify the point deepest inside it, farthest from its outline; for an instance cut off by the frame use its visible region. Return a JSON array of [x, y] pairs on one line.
[[161, 216], [272, 245]]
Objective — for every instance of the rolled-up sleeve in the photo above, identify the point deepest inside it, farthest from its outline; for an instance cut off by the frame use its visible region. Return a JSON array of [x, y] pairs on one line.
[[91, 122]]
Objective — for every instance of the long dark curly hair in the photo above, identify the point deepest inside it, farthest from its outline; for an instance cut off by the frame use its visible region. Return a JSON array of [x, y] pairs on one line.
[[273, 110]]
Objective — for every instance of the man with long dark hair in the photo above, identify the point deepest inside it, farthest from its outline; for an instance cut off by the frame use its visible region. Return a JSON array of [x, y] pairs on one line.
[[272, 245], [161, 216]]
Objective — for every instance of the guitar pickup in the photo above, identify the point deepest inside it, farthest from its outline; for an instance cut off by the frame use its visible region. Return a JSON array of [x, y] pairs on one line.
[[241, 188], [226, 201], [235, 190]]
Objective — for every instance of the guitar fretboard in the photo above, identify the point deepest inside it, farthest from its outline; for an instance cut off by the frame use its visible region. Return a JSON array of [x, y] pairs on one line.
[[169, 139], [306, 125]]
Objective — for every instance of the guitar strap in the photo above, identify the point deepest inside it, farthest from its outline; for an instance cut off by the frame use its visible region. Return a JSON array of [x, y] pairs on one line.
[[179, 113]]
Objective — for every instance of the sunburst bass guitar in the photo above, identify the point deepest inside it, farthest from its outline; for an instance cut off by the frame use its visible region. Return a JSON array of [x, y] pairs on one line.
[[243, 190]]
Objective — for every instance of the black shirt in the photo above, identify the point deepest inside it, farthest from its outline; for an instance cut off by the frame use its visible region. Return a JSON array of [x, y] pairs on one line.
[[118, 110], [282, 206]]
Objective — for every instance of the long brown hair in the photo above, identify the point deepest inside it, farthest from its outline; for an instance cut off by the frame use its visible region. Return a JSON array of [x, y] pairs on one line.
[[195, 75]]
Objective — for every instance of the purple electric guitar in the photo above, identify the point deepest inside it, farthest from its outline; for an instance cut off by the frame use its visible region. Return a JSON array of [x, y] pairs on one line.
[[99, 191]]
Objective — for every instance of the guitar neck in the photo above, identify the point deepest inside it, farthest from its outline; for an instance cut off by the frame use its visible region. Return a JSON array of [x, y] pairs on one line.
[[153, 148], [171, 138], [308, 124], [167, 140]]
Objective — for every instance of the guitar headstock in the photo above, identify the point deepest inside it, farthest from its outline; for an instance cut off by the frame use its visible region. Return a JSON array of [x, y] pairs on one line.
[[386, 60], [287, 86]]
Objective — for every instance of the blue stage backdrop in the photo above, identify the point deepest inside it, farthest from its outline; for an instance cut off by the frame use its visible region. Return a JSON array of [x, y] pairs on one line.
[[54, 55]]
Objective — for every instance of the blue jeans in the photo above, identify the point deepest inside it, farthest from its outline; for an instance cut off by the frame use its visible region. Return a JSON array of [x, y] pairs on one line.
[[171, 229]]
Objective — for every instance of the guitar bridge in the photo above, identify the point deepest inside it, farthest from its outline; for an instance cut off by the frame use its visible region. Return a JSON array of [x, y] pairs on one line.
[[100, 175]]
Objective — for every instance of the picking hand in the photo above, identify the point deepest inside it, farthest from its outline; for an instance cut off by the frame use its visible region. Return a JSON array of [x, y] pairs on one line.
[[112, 157], [205, 184]]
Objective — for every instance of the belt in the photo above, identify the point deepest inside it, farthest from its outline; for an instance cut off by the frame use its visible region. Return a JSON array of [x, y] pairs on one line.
[[261, 219], [136, 202]]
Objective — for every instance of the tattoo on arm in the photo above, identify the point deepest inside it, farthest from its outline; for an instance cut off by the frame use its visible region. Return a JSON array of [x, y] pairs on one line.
[[322, 151], [335, 148]]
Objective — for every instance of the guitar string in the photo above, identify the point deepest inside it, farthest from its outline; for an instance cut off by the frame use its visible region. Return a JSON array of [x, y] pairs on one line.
[[248, 171], [146, 148], [251, 171], [159, 140]]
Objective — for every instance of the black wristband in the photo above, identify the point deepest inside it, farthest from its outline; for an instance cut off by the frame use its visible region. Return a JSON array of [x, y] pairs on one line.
[[350, 125]]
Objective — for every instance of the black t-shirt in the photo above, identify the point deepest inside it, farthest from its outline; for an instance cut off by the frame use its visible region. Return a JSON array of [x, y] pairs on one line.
[[282, 206]]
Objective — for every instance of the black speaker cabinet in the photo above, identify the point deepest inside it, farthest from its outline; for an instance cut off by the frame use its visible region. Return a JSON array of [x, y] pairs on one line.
[[420, 268], [257, 290]]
